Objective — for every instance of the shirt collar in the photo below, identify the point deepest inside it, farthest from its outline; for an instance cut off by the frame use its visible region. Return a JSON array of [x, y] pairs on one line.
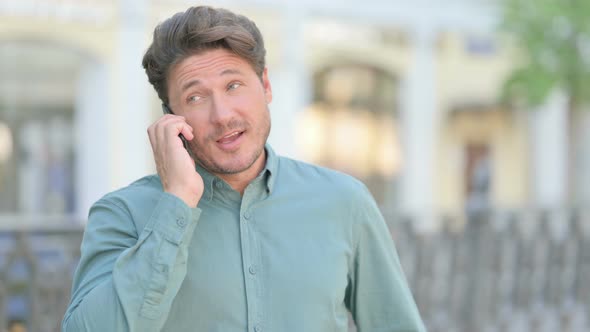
[[269, 174], [272, 165]]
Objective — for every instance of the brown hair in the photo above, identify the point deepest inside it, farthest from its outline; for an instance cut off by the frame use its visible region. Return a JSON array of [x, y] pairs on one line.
[[196, 30]]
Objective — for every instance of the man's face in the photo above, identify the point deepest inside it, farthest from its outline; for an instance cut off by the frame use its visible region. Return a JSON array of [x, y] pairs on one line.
[[226, 104]]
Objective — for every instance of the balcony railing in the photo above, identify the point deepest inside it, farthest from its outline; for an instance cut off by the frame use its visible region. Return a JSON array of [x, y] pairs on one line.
[[522, 271], [36, 269]]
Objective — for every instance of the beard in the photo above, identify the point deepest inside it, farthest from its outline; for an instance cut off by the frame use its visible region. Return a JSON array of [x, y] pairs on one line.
[[238, 161]]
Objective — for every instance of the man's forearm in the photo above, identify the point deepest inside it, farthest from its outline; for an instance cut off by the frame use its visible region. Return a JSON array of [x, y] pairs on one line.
[[130, 289]]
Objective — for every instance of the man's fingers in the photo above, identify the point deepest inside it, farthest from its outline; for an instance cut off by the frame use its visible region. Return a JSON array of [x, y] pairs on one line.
[[173, 129], [166, 130], [167, 120], [170, 126], [187, 131]]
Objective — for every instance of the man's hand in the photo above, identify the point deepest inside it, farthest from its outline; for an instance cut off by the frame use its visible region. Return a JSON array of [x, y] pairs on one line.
[[173, 163]]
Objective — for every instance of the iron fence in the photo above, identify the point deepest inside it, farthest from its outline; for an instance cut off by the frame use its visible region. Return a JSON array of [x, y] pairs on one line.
[[519, 271]]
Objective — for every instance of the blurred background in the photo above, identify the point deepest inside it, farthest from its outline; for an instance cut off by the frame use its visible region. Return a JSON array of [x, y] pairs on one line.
[[467, 119]]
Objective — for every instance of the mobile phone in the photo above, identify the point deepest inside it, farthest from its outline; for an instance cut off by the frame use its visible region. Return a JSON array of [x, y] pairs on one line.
[[167, 110]]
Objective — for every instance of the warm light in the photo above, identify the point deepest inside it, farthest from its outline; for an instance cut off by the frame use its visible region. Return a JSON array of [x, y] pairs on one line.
[[358, 143], [389, 159], [310, 134], [6, 143], [350, 141]]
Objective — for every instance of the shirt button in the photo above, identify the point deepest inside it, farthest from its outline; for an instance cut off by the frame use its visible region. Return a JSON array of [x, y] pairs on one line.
[[180, 222], [252, 270], [247, 215], [218, 184], [257, 328]]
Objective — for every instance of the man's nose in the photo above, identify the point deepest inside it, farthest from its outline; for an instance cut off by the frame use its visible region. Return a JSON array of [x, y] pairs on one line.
[[221, 112]]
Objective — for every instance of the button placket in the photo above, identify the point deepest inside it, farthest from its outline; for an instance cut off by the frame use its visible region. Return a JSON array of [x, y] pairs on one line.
[[247, 215], [251, 260], [218, 184], [245, 244], [252, 269], [180, 222]]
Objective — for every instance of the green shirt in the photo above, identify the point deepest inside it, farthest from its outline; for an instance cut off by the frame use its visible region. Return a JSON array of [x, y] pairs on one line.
[[300, 248]]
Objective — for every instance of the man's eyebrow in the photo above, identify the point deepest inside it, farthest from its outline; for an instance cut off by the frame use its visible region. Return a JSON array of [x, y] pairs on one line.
[[230, 72], [189, 85], [192, 83]]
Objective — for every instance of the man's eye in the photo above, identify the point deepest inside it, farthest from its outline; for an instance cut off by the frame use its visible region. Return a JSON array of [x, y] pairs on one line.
[[234, 86], [194, 99]]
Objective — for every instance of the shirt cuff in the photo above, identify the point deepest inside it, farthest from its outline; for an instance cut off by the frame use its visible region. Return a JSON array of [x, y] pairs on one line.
[[174, 219]]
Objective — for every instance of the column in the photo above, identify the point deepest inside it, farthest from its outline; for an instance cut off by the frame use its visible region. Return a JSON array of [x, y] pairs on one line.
[[581, 169], [290, 83], [91, 137], [132, 114], [418, 117], [549, 152]]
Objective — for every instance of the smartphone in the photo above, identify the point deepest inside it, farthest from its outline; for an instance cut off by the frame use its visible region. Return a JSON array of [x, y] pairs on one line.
[[167, 110]]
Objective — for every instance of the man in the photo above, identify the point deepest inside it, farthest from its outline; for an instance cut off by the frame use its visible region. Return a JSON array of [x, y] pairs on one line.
[[250, 241]]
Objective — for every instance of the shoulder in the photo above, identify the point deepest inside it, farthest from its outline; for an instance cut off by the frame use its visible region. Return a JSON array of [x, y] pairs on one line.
[[323, 180], [140, 191], [134, 202]]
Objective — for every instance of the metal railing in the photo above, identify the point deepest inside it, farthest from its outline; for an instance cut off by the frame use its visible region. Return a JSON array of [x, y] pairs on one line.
[[36, 269], [523, 271]]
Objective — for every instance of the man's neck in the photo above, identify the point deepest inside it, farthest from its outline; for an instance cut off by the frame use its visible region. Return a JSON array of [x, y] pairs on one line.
[[240, 181]]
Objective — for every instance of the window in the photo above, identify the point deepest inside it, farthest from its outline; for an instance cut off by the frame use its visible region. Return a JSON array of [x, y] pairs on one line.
[[37, 87], [351, 126]]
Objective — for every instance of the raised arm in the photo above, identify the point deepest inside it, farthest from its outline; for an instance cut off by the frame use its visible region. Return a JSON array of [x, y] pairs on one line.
[[127, 281]]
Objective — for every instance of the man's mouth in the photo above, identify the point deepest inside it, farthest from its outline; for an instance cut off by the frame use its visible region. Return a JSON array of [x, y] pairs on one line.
[[230, 138]]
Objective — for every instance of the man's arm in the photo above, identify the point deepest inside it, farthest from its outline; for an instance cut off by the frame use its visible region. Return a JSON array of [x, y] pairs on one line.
[[378, 295], [127, 281]]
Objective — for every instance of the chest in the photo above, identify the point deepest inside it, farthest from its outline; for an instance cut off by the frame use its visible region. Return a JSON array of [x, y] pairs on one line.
[[261, 255]]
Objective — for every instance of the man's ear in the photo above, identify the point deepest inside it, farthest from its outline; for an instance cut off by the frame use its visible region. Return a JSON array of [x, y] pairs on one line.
[[266, 86]]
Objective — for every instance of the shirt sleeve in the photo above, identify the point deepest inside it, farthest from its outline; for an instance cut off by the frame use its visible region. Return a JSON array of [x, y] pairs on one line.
[[127, 281], [378, 295]]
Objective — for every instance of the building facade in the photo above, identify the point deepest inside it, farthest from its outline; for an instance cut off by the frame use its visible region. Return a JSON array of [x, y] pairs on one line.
[[403, 96]]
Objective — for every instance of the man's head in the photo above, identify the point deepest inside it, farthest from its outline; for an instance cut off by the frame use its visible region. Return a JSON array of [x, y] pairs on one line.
[[207, 65], [195, 31]]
